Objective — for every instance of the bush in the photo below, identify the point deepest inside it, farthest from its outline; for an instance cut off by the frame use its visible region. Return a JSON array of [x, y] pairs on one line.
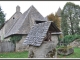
[[70, 38]]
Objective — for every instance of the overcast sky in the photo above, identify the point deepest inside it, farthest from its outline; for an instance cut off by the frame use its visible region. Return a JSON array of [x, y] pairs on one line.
[[44, 7]]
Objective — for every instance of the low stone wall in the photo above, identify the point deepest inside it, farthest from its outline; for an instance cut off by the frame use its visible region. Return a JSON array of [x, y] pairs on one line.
[[65, 51]]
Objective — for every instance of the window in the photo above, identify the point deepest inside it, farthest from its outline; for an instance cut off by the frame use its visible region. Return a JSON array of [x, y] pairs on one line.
[[39, 22], [13, 18]]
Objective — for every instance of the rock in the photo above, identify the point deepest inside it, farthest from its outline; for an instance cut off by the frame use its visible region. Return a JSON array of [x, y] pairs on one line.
[[79, 46], [67, 51], [46, 50], [75, 43]]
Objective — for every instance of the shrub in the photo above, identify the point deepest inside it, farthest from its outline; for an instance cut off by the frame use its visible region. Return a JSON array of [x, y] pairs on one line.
[[70, 38]]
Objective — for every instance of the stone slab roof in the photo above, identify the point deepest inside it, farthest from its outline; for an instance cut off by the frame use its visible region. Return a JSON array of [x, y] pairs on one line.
[[37, 34], [23, 24], [12, 21]]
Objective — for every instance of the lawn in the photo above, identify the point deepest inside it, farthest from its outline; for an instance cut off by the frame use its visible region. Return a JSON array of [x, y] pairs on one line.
[[24, 54], [76, 54], [14, 55]]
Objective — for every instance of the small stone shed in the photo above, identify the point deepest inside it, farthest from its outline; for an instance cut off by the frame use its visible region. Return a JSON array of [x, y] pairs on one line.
[[42, 40]]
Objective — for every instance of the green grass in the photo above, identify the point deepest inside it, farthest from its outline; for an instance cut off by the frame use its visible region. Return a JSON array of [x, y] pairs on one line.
[[76, 54], [24, 54], [14, 55]]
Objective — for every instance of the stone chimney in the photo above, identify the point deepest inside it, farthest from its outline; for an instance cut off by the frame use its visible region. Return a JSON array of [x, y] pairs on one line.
[[17, 9]]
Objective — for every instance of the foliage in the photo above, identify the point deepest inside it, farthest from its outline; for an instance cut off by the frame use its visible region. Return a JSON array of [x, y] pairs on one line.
[[57, 22], [2, 18], [55, 19], [70, 19], [15, 38], [51, 17], [23, 54], [70, 38]]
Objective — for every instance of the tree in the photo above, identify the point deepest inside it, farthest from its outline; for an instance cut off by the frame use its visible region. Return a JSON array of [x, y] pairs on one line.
[[2, 18], [57, 22], [55, 19], [70, 19], [51, 17]]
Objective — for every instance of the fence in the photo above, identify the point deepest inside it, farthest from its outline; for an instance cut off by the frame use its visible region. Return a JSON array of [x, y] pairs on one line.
[[6, 46]]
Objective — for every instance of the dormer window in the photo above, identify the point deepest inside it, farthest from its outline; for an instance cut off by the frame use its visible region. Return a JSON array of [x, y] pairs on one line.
[[13, 18], [39, 22]]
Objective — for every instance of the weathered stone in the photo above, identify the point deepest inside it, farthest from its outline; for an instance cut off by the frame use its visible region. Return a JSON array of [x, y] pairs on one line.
[[79, 46], [20, 46], [46, 50], [67, 51], [75, 43]]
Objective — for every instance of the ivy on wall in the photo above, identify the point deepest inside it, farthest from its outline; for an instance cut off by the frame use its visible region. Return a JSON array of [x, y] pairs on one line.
[[15, 38]]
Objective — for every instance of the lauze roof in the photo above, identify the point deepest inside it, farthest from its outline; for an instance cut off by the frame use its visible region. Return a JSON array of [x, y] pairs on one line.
[[23, 24], [37, 34]]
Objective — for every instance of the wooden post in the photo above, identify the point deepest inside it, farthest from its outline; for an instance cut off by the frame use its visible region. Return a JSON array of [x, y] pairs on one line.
[[49, 36]]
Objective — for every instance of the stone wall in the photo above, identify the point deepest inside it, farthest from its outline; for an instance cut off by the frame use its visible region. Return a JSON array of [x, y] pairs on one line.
[[20, 46], [43, 51], [54, 38], [46, 50]]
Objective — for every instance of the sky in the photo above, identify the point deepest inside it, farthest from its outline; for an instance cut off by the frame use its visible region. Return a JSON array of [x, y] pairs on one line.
[[44, 7]]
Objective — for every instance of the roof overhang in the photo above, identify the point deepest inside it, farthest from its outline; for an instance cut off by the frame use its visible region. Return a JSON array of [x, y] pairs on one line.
[[58, 33]]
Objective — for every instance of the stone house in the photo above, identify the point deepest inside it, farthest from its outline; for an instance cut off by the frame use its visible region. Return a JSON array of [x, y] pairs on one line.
[[21, 24]]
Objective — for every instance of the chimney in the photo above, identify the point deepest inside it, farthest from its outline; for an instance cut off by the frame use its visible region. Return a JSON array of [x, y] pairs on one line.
[[17, 9]]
